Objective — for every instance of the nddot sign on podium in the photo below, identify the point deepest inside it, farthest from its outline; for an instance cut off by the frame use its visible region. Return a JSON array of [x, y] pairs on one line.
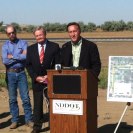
[[68, 107], [120, 79]]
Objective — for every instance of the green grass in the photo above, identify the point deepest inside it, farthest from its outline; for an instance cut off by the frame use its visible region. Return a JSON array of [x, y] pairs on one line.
[[2, 80], [103, 78], [102, 83]]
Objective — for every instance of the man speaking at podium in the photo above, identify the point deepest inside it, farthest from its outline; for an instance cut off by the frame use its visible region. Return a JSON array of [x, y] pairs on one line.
[[79, 52]]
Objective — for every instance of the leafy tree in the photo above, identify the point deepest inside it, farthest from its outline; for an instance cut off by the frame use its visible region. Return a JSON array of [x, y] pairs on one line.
[[118, 25], [114, 26], [129, 26], [2, 29], [106, 26], [83, 27], [29, 28], [47, 26], [63, 26], [91, 27], [57, 27], [1, 23], [122, 25]]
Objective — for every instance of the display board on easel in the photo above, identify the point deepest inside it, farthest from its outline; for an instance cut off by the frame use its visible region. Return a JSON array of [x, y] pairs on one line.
[[120, 79]]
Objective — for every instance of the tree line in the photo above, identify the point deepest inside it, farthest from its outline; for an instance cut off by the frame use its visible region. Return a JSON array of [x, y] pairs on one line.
[[90, 27]]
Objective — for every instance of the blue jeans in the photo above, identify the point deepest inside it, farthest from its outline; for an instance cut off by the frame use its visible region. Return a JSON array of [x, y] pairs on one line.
[[19, 81]]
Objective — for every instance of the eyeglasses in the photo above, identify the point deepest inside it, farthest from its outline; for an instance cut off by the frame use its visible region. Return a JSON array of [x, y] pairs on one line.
[[11, 33]]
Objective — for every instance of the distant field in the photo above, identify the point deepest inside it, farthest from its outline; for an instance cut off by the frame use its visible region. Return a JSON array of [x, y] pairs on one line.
[[86, 34], [106, 49]]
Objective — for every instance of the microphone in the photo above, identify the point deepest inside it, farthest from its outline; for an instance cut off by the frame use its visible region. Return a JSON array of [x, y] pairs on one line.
[[73, 68], [57, 66]]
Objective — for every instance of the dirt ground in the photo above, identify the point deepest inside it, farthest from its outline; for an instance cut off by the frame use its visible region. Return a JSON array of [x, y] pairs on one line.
[[109, 114]]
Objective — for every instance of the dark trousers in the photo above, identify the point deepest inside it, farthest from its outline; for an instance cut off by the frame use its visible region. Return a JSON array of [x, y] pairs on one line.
[[38, 109]]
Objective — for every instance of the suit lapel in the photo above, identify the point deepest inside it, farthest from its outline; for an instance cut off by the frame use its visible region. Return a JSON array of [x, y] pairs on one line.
[[36, 54], [47, 52], [47, 49], [83, 49], [69, 57]]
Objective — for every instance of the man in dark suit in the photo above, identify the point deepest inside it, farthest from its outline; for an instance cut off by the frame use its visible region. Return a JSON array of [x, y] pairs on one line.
[[37, 63], [79, 52]]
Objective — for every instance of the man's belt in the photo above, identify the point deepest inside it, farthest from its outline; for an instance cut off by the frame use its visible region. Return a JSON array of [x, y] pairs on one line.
[[16, 70]]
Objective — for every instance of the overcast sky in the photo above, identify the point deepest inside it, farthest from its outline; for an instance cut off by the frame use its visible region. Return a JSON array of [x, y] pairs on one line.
[[37, 12]]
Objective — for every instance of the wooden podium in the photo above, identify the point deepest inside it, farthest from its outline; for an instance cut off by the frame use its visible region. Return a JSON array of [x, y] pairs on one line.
[[73, 101]]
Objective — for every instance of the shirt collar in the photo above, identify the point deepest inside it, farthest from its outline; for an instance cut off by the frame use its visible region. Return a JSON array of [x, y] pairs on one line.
[[43, 43], [14, 42], [78, 43]]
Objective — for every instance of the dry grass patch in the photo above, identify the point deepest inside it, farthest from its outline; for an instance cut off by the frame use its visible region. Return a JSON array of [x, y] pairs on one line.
[[98, 34]]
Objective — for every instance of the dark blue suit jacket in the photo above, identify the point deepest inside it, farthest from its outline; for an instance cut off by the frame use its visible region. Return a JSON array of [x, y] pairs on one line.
[[33, 65]]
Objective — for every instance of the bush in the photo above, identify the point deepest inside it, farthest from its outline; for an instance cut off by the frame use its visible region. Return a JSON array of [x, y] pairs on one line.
[[29, 81], [103, 78]]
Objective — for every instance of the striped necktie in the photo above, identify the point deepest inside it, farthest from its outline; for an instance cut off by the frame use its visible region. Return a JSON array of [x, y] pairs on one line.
[[42, 54]]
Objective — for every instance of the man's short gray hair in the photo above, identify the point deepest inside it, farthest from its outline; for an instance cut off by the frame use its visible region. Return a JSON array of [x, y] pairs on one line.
[[39, 28]]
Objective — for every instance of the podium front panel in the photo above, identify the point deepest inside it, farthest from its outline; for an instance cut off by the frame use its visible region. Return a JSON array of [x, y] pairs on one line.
[[72, 84], [66, 84]]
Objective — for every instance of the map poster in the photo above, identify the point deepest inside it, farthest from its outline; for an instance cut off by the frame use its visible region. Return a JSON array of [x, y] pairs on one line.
[[120, 79]]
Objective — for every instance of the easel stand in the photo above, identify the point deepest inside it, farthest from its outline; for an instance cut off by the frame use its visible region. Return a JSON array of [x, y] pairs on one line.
[[128, 104]]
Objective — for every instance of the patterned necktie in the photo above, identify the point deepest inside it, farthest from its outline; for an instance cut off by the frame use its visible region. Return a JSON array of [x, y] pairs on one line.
[[42, 54]]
